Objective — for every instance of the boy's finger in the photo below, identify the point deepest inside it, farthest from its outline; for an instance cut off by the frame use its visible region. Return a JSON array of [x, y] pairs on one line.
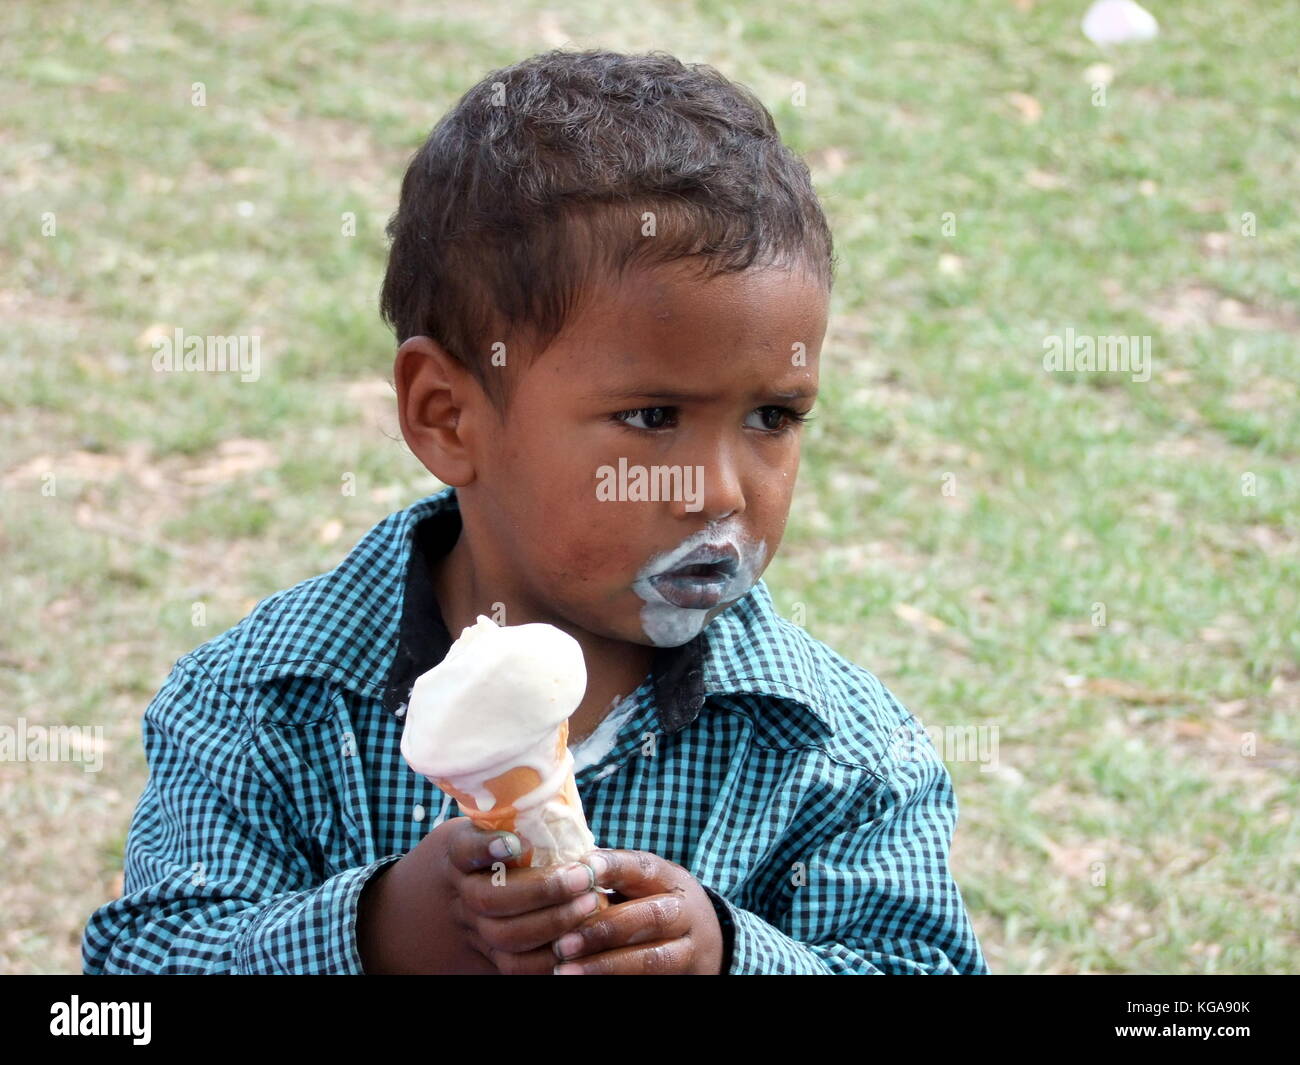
[[540, 928], [471, 848], [635, 873], [667, 957], [539, 962], [642, 920], [507, 892]]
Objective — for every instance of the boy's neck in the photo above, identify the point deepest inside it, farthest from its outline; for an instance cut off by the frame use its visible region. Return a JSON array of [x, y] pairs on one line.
[[614, 668]]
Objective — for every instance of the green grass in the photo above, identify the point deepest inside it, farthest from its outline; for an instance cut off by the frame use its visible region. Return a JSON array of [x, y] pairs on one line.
[[1124, 829]]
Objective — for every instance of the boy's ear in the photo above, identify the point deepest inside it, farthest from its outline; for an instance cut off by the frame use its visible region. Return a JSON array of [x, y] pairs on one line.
[[432, 390]]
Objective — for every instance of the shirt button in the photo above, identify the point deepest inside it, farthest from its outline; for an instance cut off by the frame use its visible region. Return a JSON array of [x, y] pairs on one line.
[[418, 812]]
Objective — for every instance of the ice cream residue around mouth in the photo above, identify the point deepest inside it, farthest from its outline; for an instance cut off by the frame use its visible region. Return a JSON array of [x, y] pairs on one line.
[[668, 625]]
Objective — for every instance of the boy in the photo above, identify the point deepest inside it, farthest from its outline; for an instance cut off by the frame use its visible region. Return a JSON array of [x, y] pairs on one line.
[[607, 277]]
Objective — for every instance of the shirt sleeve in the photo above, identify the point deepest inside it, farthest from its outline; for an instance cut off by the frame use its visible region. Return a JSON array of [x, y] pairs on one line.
[[215, 878], [874, 898]]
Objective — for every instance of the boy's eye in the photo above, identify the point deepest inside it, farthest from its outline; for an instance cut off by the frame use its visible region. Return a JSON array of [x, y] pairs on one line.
[[625, 416], [785, 418]]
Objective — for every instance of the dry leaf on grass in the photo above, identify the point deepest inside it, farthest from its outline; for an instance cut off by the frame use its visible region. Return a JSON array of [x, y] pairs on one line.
[[919, 619], [233, 459], [1029, 109]]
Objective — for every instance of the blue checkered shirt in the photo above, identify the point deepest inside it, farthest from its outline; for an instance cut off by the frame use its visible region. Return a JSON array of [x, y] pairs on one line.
[[754, 756]]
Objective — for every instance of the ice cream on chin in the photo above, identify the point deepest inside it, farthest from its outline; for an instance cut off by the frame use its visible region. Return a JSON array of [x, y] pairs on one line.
[[489, 725]]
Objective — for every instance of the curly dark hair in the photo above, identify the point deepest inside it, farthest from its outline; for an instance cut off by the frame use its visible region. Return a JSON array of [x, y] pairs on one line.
[[571, 166]]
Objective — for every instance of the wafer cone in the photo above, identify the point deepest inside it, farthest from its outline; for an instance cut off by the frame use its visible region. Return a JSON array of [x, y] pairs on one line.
[[552, 826]]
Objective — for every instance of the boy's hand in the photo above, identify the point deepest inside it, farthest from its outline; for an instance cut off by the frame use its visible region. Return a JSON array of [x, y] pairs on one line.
[[668, 916], [443, 908], [513, 915]]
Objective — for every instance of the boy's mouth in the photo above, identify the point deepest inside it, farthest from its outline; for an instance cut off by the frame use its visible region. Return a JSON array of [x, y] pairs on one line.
[[701, 581], [705, 572]]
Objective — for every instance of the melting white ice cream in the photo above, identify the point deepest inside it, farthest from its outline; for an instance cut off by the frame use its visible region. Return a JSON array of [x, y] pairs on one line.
[[493, 703]]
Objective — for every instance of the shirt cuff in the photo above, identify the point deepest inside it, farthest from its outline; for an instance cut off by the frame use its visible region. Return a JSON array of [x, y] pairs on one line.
[[310, 932], [756, 948], [728, 926]]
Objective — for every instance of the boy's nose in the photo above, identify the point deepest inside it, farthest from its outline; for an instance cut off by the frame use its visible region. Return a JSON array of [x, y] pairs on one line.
[[716, 489]]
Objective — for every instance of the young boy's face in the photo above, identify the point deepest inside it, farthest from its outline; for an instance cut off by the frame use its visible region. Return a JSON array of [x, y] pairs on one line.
[[649, 436]]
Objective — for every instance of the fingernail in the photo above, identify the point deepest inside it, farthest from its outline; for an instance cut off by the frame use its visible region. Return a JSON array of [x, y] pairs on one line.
[[567, 970], [597, 863], [505, 846], [579, 878], [568, 944]]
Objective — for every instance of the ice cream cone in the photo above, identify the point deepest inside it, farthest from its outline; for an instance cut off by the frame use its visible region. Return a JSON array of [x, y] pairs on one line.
[[552, 827], [489, 726]]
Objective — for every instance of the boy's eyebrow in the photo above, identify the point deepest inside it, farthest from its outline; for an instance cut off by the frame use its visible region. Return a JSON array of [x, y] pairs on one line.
[[676, 395]]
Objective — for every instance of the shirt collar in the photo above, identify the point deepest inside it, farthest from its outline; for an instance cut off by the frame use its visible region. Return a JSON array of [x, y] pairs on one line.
[[372, 625]]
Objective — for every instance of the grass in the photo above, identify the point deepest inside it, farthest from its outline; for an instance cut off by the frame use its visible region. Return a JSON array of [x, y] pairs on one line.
[[963, 518]]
